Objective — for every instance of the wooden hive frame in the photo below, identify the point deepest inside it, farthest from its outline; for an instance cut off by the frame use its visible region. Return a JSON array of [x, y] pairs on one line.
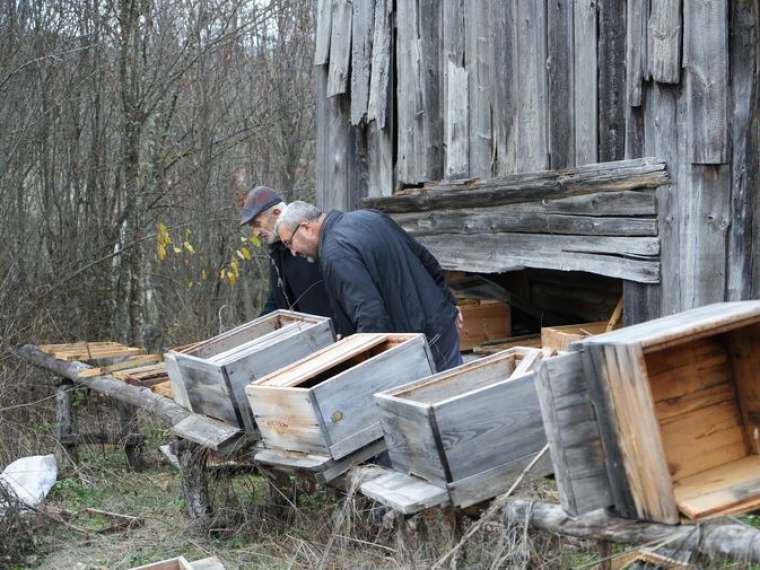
[[465, 430], [210, 377], [323, 404], [676, 408]]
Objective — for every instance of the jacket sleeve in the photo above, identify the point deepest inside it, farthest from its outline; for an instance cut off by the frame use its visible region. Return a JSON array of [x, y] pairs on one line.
[[275, 299], [347, 278]]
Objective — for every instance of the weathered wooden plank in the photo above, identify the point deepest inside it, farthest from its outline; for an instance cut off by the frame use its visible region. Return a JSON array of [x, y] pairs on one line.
[[745, 79], [452, 53], [636, 43], [379, 160], [548, 185], [573, 434], [529, 220], [477, 25], [340, 48], [501, 50], [664, 41], [410, 164], [208, 389], [403, 493], [532, 148], [457, 123], [322, 168], [206, 432], [323, 33], [496, 253], [559, 23], [612, 79], [380, 92], [362, 25], [585, 83], [706, 62]]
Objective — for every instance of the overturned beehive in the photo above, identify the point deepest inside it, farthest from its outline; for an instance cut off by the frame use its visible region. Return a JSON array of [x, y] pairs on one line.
[[660, 419], [465, 430], [210, 377], [322, 405]]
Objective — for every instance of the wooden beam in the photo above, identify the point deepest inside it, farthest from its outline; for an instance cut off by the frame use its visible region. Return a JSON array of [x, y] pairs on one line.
[[546, 185], [720, 539], [162, 408]]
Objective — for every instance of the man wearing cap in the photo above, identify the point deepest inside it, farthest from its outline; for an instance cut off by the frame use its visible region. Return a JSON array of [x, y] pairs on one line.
[[379, 278], [294, 283]]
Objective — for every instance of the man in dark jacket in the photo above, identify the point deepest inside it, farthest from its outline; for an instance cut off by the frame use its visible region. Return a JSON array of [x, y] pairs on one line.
[[379, 278], [294, 283]]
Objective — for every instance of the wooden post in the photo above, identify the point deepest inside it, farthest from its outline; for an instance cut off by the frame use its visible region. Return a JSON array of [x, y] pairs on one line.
[[67, 426], [131, 437], [192, 460]]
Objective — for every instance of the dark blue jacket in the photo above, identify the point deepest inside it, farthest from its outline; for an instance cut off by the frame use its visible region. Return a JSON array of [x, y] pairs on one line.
[[380, 279], [295, 284]]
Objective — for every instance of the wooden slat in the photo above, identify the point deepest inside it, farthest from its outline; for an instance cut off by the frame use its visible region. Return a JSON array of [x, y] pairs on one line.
[[744, 345], [636, 52], [362, 19], [561, 88], [559, 338], [131, 363], [706, 63], [381, 71], [585, 83], [457, 123], [502, 85], [340, 48], [98, 353], [478, 101], [664, 41], [612, 79], [323, 33], [404, 493]]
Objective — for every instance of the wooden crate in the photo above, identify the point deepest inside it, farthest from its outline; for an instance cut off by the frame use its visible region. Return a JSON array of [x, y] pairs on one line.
[[323, 405], [660, 419], [181, 563], [483, 321], [210, 377], [561, 337], [466, 430]]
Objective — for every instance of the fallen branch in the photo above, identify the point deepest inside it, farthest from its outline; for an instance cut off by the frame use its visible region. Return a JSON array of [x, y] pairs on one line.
[[722, 538], [198, 428]]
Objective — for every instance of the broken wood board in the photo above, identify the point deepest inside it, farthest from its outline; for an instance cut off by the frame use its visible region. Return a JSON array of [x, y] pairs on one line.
[[467, 429], [324, 468], [483, 321], [88, 351], [559, 338], [404, 493], [323, 404], [211, 375], [124, 365]]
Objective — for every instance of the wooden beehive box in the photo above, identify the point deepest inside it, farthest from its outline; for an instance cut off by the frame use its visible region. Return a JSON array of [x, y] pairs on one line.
[[322, 405], [466, 430], [483, 320], [210, 376], [560, 338], [661, 419]]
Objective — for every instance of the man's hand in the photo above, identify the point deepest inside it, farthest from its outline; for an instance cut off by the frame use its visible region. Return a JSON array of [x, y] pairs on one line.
[[459, 320]]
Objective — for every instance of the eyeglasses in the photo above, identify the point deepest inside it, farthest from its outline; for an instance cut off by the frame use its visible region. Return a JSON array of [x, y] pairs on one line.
[[288, 242]]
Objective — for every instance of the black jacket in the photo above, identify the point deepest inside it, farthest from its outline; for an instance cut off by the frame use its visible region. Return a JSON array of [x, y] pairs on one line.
[[295, 284], [380, 279]]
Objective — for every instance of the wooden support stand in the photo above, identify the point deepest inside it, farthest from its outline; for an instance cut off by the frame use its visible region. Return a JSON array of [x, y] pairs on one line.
[[67, 425], [131, 438], [192, 459]]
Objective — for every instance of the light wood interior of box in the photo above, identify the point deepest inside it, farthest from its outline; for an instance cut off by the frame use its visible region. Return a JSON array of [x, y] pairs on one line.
[[707, 402], [235, 337], [460, 380]]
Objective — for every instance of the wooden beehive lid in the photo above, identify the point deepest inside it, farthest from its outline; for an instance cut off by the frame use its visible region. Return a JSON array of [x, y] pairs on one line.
[[329, 357], [689, 325]]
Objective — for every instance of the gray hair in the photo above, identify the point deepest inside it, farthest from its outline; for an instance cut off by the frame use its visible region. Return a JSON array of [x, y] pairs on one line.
[[295, 213]]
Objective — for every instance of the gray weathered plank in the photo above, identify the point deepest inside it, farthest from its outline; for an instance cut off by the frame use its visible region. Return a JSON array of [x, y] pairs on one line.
[[457, 123], [611, 176], [515, 219], [323, 33], [532, 147], [585, 83], [501, 51], [476, 24], [403, 493], [490, 253], [574, 440], [612, 79], [207, 389], [706, 62], [452, 52], [379, 161], [340, 48], [664, 39], [380, 92], [636, 51], [561, 89], [207, 432], [362, 25]]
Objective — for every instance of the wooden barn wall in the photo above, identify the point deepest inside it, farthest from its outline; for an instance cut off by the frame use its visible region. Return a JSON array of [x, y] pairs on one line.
[[415, 91]]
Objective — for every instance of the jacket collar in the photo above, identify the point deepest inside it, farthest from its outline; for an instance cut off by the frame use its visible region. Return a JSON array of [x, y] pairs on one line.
[[331, 218]]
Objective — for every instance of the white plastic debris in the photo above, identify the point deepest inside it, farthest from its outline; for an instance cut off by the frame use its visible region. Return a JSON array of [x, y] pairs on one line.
[[29, 479]]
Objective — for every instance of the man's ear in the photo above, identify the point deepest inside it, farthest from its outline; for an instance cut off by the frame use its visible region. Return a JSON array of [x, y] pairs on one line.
[[276, 212]]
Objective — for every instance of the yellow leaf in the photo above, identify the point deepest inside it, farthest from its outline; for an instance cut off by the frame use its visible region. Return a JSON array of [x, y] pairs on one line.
[[246, 253], [188, 246], [255, 240], [203, 275], [177, 250], [240, 254]]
